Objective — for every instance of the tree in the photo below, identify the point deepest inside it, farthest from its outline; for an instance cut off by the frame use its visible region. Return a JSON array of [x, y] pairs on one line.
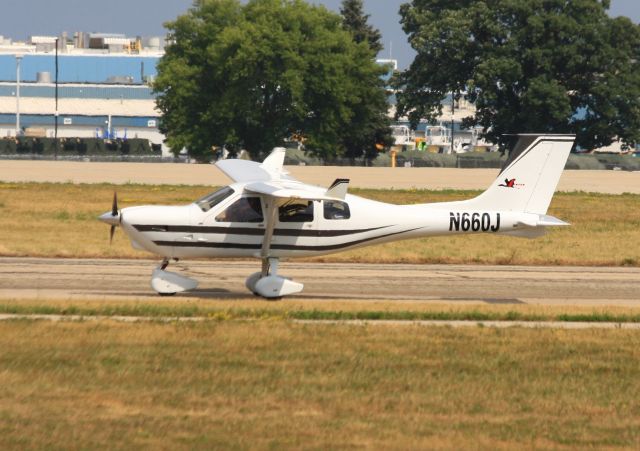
[[249, 76], [356, 21], [529, 66], [370, 129]]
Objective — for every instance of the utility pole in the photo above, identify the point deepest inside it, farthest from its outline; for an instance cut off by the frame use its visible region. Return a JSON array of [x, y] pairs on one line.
[[55, 132], [453, 102], [18, 60]]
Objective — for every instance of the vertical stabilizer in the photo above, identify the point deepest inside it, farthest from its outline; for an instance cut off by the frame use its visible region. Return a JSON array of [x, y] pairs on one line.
[[529, 177]]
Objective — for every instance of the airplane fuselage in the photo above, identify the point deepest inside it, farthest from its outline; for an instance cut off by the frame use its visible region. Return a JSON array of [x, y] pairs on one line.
[[189, 232]]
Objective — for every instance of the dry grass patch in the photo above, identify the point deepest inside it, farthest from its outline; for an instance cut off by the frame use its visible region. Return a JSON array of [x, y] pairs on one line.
[[59, 220], [273, 384]]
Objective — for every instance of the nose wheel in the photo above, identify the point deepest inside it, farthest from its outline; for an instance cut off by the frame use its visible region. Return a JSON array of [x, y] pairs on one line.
[[167, 283]]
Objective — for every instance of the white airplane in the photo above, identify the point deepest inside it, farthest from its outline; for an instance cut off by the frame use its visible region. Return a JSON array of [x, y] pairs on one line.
[[267, 214]]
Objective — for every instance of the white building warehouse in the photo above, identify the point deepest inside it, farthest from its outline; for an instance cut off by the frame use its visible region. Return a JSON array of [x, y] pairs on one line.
[[102, 92]]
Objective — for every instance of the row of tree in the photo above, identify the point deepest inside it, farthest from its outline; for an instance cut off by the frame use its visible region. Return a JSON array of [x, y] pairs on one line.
[[528, 65], [254, 75]]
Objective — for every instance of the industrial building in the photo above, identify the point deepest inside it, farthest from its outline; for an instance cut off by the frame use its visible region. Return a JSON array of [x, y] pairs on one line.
[[103, 89]]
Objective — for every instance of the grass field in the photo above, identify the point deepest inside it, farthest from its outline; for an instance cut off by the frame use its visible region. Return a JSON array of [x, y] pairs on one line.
[[251, 377], [274, 384], [308, 309], [59, 220]]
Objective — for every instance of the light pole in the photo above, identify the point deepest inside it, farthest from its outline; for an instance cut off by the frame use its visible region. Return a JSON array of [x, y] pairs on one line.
[[55, 133], [18, 60], [453, 112]]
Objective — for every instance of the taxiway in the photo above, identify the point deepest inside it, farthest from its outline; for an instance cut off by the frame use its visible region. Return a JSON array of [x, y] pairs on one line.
[[97, 279]]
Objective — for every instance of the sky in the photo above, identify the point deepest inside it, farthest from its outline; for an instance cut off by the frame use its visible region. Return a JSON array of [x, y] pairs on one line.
[[20, 19]]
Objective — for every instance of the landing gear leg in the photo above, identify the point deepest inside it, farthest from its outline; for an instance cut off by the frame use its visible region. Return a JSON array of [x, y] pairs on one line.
[[167, 283], [268, 284]]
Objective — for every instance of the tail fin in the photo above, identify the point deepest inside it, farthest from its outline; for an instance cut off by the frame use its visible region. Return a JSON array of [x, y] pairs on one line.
[[530, 175]]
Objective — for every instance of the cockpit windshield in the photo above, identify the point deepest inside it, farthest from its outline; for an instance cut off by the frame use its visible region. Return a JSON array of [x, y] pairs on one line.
[[209, 201]]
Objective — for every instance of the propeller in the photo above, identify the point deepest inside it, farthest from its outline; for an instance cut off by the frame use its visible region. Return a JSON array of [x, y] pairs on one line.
[[114, 213], [113, 217], [114, 206]]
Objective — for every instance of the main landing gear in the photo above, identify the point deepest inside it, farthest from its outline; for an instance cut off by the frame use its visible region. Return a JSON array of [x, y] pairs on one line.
[[268, 284], [167, 283]]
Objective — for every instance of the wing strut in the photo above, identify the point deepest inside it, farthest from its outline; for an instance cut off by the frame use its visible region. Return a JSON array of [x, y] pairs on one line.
[[271, 204], [267, 282]]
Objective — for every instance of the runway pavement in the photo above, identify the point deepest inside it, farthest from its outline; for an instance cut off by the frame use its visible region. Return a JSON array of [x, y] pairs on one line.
[[34, 278], [611, 182]]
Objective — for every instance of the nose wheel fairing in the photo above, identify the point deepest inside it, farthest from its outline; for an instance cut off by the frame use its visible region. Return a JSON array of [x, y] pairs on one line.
[[168, 283]]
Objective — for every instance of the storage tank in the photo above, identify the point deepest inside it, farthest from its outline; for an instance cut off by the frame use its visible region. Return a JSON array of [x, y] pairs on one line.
[[154, 43]]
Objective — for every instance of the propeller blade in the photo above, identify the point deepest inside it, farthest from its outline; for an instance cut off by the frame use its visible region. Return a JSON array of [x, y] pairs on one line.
[[114, 207], [111, 232]]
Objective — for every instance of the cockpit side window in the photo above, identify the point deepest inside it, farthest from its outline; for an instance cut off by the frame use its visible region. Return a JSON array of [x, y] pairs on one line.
[[245, 209], [334, 209], [209, 201], [296, 211]]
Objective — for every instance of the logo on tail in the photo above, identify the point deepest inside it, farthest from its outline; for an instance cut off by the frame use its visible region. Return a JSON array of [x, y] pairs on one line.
[[511, 183]]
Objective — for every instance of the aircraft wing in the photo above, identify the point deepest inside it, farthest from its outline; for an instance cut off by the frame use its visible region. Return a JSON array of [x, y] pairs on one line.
[[248, 171], [281, 189], [277, 193], [271, 180]]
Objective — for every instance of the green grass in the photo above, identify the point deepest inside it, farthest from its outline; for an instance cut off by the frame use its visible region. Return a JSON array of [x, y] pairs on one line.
[[278, 385]]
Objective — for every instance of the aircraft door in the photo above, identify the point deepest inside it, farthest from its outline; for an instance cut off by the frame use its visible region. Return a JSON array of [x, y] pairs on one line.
[[296, 226], [239, 222]]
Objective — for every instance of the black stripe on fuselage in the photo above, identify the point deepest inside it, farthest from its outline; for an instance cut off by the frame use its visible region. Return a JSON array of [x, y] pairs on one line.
[[250, 230], [284, 247]]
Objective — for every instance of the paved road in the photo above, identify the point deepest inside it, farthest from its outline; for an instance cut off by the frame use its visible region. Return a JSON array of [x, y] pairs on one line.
[[204, 174], [31, 278]]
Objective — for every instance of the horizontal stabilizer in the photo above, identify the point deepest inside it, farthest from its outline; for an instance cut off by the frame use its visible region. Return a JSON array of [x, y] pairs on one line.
[[534, 226], [551, 221]]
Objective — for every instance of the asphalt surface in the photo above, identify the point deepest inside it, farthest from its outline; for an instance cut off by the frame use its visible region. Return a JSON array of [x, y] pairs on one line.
[[88, 279], [611, 182]]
